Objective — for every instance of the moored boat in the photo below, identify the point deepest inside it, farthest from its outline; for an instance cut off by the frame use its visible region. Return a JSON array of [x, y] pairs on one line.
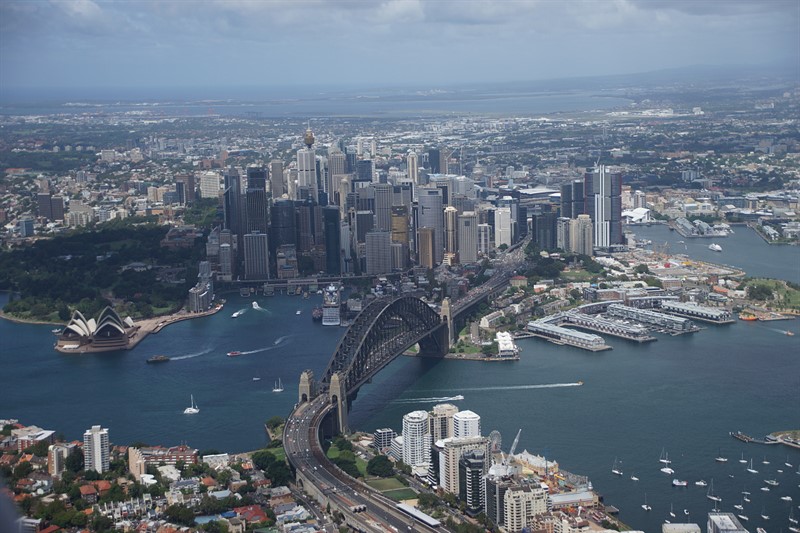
[[679, 483]]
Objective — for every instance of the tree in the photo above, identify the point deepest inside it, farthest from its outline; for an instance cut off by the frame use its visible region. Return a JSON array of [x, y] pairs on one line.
[[74, 461], [274, 422], [380, 466], [760, 291], [179, 515]]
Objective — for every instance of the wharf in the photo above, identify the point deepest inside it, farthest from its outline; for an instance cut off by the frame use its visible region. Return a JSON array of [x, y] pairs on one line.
[[612, 333], [563, 342], [747, 438], [479, 357], [702, 319]]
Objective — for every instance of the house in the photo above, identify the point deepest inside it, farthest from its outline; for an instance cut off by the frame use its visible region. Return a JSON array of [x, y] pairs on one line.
[[89, 493], [251, 514], [519, 281]]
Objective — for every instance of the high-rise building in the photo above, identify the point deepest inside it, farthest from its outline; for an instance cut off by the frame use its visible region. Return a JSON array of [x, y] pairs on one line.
[[382, 439], [562, 233], [496, 487], [379, 252], [466, 424], [232, 202], [307, 167], [399, 255], [209, 184], [639, 200], [185, 187], [45, 207], [412, 163], [440, 421], [226, 262], [450, 230], [468, 237], [434, 160], [56, 458], [471, 488], [544, 230], [484, 239], [282, 225], [400, 224], [256, 200], [431, 215], [521, 504], [277, 187], [337, 167], [95, 449], [451, 454], [330, 217], [383, 206], [256, 256], [581, 235], [502, 226], [364, 171], [416, 439], [572, 199], [603, 193], [426, 247]]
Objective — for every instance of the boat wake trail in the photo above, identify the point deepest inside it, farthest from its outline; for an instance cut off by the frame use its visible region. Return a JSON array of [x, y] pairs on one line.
[[191, 355], [281, 339], [524, 387], [432, 400], [279, 343]]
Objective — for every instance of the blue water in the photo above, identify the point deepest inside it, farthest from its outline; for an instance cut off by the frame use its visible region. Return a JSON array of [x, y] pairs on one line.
[[680, 393]]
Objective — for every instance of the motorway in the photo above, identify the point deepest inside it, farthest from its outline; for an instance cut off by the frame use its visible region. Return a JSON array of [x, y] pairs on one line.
[[305, 453]]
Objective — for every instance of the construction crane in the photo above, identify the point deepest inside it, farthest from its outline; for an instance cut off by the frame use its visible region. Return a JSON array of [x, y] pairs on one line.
[[510, 455]]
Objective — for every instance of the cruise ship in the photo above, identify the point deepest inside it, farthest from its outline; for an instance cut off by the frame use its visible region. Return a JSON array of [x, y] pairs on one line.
[[331, 306]]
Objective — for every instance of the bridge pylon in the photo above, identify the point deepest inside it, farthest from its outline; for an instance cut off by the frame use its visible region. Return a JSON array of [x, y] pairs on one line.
[[446, 314], [307, 389], [338, 396]]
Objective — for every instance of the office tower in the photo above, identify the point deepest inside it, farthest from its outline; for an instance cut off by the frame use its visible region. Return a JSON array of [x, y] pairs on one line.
[[256, 256], [412, 164], [382, 439], [567, 199], [226, 261], [502, 226], [322, 177], [337, 166], [209, 184], [581, 235], [431, 215], [452, 452], [256, 200], [400, 224], [484, 239], [307, 167], [450, 230], [45, 205], [185, 186], [364, 171], [282, 223], [332, 230], [603, 193], [403, 194], [468, 237], [544, 230], [286, 261], [277, 187], [471, 488], [25, 226], [351, 159], [399, 255], [521, 503], [232, 201], [416, 439], [95, 449], [383, 206], [440, 421], [521, 223], [562, 233], [379, 252], [305, 225], [466, 424], [362, 222], [426, 247], [434, 160]]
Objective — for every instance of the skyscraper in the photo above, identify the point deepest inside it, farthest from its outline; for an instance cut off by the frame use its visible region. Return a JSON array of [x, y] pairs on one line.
[[581, 235], [330, 217], [383, 206], [471, 488], [484, 239], [256, 256], [256, 200], [466, 424], [400, 224], [468, 237], [185, 186], [412, 162], [431, 215], [450, 230], [276, 184], [416, 439], [440, 421], [307, 167], [603, 192], [544, 230], [426, 252], [336, 167], [502, 226], [95, 449], [563, 233], [232, 201], [379, 253], [209, 184], [434, 160]]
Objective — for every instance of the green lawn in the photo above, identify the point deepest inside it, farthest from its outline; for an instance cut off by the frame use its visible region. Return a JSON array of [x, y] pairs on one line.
[[401, 494], [384, 484], [279, 453]]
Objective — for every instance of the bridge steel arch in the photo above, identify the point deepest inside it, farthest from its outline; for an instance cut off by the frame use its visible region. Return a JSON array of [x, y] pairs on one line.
[[381, 332]]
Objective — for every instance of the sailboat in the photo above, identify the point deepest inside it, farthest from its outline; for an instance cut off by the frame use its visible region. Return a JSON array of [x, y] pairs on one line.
[[615, 469], [765, 462], [742, 460], [634, 478], [192, 409], [750, 469], [792, 519], [666, 461], [764, 515], [710, 494], [671, 512], [719, 458], [278, 386], [787, 463], [664, 457], [644, 505]]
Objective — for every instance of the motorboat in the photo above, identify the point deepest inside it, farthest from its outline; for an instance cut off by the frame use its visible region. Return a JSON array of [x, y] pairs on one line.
[[238, 313], [771, 482], [679, 483], [158, 359], [234, 353], [714, 247], [192, 409], [701, 483]]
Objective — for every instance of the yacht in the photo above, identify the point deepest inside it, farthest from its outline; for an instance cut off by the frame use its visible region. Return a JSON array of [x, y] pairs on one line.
[[742, 460], [710, 494], [787, 463], [719, 458], [615, 469], [644, 505], [664, 457], [331, 306], [751, 469], [792, 519], [192, 409], [765, 489], [786, 498], [671, 512], [764, 515], [771, 482], [278, 386], [634, 478], [738, 506], [238, 313], [743, 517], [679, 483], [701, 483], [714, 247], [765, 462]]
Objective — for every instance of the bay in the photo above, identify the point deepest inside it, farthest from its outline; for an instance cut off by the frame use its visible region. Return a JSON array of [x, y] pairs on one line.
[[683, 394]]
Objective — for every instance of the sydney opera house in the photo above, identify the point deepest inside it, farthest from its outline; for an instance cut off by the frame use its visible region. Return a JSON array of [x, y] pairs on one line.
[[108, 332]]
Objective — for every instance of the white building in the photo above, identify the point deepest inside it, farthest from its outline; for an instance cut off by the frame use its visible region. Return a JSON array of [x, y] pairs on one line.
[[307, 171], [502, 226], [416, 439], [521, 504], [413, 167], [484, 239], [95, 449], [468, 237], [209, 185], [440, 421], [466, 424]]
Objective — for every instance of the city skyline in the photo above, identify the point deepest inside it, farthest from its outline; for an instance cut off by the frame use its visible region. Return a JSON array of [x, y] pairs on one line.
[[85, 43]]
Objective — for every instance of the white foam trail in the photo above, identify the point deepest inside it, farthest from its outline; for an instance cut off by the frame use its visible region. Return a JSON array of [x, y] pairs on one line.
[[281, 339], [426, 400], [524, 387], [277, 344], [191, 355]]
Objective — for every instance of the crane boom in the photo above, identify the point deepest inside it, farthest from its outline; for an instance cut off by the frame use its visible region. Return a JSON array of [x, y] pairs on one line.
[[514, 444]]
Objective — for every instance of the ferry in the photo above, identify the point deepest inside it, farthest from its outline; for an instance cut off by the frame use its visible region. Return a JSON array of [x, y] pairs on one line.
[[158, 359], [234, 353], [714, 247], [748, 317], [238, 313]]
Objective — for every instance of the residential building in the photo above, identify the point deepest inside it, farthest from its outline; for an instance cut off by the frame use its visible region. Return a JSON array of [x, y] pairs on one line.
[[96, 449], [416, 439], [451, 452], [581, 235], [521, 504], [209, 184], [466, 424], [440, 421], [471, 486]]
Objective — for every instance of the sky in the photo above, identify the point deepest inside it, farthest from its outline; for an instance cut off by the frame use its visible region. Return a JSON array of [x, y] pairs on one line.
[[425, 43]]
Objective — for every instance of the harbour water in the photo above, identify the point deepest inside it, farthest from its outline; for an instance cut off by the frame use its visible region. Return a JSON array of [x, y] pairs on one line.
[[683, 394]]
